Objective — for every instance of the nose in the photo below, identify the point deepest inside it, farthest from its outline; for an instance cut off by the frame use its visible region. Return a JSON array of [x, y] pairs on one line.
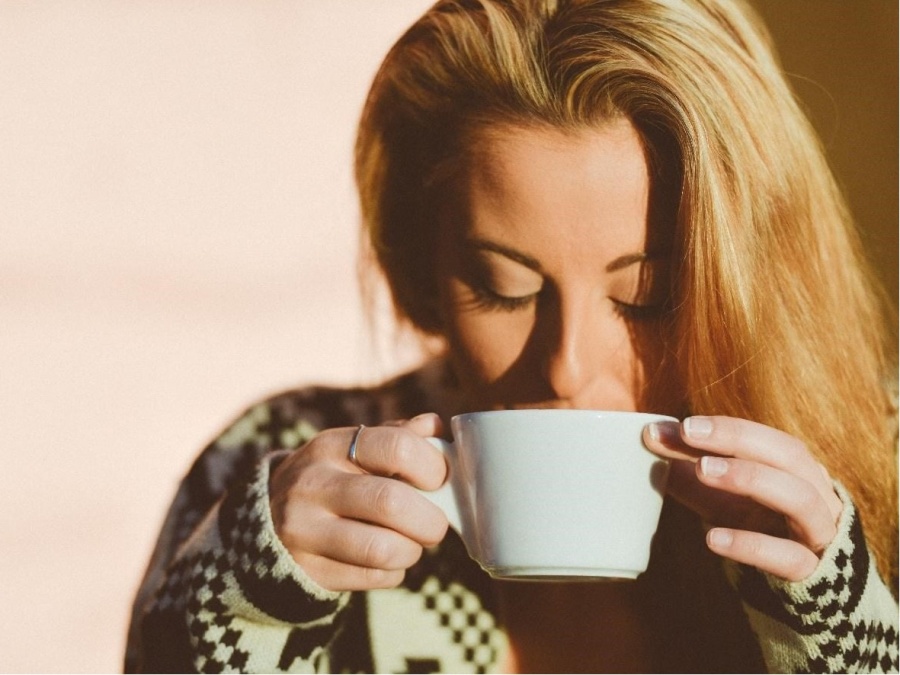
[[574, 351]]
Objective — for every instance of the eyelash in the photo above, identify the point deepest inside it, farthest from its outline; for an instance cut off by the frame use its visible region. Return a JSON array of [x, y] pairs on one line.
[[638, 312], [488, 299]]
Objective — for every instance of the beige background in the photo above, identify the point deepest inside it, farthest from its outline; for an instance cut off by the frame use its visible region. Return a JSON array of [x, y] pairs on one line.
[[176, 238]]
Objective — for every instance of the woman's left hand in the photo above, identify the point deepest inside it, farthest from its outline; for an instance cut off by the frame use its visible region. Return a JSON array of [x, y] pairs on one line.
[[771, 504]]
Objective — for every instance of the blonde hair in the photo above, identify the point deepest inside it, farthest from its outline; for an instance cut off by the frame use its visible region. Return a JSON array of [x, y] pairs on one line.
[[775, 317]]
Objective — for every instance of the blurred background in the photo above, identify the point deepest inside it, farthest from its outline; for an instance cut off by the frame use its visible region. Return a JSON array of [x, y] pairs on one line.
[[177, 239]]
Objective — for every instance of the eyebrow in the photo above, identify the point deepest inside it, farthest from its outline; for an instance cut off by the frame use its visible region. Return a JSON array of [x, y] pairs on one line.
[[619, 263], [627, 260], [631, 258], [512, 254]]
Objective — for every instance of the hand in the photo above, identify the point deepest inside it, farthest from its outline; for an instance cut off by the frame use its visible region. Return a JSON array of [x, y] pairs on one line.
[[356, 527], [772, 504]]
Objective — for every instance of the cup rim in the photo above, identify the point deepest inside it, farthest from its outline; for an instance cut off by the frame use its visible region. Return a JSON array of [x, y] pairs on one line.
[[566, 412]]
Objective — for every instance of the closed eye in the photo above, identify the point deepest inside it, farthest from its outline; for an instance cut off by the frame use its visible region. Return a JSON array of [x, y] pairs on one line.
[[632, 312], [488, 299], [501, 281]]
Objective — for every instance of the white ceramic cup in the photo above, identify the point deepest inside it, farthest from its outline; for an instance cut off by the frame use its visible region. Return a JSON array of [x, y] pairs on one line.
[[553, 494]]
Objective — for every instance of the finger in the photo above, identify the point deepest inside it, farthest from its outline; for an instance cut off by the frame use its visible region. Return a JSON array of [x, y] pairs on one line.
[[754, 441], [388, 503], [664, 439], [782, 557], [782, 492], [717, 507], [711, 504], [358, 544], [426, 424], [400, 452], [835, 505], [750, 440], [334, 575]]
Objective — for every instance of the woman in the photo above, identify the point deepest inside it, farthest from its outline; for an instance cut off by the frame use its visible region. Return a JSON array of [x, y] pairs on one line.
[[591, 204]]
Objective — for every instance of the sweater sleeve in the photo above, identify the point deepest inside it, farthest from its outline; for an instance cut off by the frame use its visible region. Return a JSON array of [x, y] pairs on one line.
[[221, 592], [841, 619], [234, 599]]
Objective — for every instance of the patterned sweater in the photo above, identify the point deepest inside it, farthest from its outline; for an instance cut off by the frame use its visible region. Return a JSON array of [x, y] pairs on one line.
[[221, 592]]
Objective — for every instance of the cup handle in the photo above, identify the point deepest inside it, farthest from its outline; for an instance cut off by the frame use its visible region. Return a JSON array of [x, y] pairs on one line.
[[444, 497]]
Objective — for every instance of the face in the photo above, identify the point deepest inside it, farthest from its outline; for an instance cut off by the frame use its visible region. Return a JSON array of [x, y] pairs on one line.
[[553, 283]]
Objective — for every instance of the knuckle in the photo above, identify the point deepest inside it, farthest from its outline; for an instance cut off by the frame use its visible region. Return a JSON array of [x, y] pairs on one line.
[[388, 501], [750, 547], [725, 430], [398, 451], [807, 499], [745, 476], [377, 552]]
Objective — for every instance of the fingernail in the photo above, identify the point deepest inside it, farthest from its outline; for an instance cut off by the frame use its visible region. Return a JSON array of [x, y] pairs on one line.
[[664, 432], [698, 427], [719, 538], [713, 466]]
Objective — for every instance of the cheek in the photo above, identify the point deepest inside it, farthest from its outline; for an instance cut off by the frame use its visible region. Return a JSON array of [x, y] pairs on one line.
[[486, 346]]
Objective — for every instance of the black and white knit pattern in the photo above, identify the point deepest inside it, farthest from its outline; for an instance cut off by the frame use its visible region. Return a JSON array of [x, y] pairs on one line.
[[843, 618], [236, 602], [223, 594]]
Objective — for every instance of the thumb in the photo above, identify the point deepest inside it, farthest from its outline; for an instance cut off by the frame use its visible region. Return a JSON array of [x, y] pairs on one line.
[[426, 424]]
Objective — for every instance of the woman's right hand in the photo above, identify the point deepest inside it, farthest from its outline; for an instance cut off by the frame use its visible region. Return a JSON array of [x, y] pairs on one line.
[[361, 526]]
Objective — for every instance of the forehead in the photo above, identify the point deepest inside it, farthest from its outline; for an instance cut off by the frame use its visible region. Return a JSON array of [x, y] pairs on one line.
[[555, 187], [515, 153]]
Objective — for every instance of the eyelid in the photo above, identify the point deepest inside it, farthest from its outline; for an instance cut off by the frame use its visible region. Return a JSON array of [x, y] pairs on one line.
[[638, 312], [502, 279], [488, 299]]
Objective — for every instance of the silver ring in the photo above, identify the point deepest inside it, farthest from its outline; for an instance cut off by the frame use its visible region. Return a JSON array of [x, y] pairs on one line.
[[351, 453]]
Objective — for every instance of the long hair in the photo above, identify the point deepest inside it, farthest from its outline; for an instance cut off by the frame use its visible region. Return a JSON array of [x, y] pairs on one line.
[[776, 317]]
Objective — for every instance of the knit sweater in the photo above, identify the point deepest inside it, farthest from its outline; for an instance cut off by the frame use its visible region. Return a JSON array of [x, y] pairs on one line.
[[222, 593]]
